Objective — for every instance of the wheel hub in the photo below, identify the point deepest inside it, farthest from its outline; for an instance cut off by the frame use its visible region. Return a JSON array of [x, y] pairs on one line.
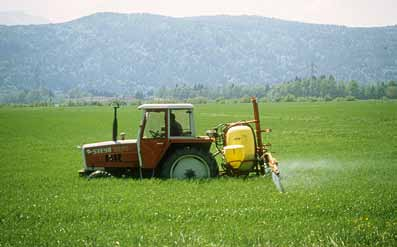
[[190, 173], [190, 166]]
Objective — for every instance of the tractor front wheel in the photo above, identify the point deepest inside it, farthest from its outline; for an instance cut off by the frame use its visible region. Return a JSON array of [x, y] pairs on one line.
[[189, 163]]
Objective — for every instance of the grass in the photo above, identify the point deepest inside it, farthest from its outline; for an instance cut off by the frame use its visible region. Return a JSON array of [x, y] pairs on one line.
[[338, 160]]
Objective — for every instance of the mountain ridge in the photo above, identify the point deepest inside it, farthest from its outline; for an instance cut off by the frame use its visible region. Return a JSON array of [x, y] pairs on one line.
[[204, 17]]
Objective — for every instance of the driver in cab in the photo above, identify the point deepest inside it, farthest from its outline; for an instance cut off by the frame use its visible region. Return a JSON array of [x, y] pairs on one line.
[[175, 126]]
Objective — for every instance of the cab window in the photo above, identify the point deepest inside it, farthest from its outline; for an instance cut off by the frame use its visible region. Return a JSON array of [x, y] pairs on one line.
[[180, 124], [155, 125]]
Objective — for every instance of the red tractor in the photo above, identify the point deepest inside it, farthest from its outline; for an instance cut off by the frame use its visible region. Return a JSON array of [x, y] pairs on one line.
[[167, 147]]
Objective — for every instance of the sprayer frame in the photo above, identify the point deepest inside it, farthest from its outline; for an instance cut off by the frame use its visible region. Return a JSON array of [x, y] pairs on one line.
[[263, 157]]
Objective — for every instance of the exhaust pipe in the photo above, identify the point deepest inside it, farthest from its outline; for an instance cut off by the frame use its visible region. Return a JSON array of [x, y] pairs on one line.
[[115, 124]]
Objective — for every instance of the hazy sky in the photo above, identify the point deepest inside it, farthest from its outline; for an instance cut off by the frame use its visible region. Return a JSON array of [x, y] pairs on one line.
[[342, 12]]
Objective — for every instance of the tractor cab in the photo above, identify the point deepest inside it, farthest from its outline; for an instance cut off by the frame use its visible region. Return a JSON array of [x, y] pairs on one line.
[[167, 121], [165, 128]]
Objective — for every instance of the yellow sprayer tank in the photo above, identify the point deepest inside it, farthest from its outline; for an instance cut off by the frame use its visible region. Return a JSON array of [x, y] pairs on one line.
[[240, 147]]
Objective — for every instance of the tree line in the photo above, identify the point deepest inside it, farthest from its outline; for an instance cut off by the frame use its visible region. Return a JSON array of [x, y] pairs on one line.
[[313, 88], [322, 88]]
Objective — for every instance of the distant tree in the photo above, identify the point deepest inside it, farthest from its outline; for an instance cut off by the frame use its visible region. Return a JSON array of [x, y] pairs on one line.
[[391, 90], [353, 89]]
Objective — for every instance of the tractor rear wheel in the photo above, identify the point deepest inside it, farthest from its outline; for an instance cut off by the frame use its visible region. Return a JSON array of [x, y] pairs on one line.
[[189, 163]]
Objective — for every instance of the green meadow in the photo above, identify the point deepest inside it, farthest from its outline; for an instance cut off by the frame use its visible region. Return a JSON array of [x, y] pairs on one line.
[[338, 162]]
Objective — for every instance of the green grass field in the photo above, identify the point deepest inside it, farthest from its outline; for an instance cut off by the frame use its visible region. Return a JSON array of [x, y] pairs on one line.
[[338, 161]]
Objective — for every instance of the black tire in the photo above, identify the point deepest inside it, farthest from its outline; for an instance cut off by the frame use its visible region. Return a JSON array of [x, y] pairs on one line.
[[189, 163]]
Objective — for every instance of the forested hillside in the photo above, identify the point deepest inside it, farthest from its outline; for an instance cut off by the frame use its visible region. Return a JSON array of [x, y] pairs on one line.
[[125, 54]]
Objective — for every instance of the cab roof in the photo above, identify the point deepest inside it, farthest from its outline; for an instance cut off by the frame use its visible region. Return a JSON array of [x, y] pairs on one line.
[[165, 106]]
